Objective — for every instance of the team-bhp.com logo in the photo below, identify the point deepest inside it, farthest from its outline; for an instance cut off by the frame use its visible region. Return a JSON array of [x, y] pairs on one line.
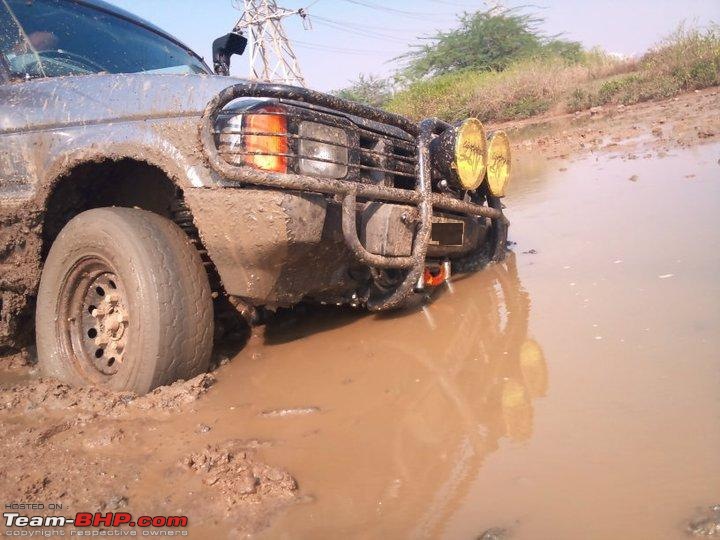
[[86, 520]]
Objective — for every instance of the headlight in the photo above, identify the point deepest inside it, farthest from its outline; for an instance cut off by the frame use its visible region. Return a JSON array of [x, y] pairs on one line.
[[460, 154], [498, 163], [323, 150], [258, 139]]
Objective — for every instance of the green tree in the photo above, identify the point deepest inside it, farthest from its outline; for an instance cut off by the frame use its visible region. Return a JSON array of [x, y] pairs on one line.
[[485, 41], [368, 89]]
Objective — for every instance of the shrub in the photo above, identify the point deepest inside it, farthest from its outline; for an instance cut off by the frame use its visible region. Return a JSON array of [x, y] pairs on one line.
[[691, 56], [367, 89], [527, 88], [580, 100], [445, 96]]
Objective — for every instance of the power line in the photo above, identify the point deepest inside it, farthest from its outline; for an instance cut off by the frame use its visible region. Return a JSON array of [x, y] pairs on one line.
[[363, 26], [357, 31], [332, 48], [410, 14], [447, 3]]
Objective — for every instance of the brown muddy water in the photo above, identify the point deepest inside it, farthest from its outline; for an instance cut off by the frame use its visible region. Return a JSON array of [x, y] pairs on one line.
[[573, 392]]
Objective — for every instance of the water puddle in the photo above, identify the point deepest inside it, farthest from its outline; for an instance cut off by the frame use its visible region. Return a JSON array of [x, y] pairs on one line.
[[569, 393]]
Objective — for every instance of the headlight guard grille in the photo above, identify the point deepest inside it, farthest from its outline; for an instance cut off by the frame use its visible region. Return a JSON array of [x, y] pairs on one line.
[[360, 151]]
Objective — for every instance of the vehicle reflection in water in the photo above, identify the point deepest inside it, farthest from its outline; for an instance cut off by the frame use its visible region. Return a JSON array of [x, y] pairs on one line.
[[485, 371], [427, 397]]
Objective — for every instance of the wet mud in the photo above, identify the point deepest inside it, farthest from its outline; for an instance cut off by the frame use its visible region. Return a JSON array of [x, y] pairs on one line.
[[570, 392], [20, 245], [90, 449], [707, 524]]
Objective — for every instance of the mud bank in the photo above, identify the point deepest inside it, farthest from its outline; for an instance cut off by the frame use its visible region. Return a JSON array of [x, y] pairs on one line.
[[90, 449], [627, 132], [52, 395], [20, 245]]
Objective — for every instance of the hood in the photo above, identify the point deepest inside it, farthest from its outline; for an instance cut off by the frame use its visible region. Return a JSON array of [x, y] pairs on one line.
[[93, 99], [59, 102]]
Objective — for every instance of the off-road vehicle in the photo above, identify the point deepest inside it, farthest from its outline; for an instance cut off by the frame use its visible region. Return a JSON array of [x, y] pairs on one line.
[[138, 189]]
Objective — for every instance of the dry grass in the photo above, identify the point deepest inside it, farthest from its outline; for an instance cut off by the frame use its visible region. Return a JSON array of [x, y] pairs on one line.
[[527, 88], [687, 60], [691, 56], [445, 96], [601, 65]]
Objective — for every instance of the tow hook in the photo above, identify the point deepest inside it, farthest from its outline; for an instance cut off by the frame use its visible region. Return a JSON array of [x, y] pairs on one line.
[[434, 277]]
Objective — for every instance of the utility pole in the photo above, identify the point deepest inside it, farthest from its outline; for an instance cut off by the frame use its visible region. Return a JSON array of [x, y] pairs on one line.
[[272, 58]]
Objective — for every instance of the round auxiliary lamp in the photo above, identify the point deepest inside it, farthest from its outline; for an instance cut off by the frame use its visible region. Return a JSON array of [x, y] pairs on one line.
[[498, 164], [460, 154]]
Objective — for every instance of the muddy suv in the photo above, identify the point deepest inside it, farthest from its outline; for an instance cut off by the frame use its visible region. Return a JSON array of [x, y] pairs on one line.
[[139, 192]]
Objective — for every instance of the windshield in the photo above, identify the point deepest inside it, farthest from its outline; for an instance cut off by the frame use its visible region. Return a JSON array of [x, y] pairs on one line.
[[51, 38]]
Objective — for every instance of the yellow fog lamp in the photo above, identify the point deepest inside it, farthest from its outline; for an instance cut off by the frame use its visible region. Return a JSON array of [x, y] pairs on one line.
[[533, 368], [460, 154], [498, 167], [517, 410]]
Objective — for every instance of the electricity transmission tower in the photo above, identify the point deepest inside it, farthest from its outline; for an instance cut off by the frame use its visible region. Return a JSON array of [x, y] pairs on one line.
[[271, 56]]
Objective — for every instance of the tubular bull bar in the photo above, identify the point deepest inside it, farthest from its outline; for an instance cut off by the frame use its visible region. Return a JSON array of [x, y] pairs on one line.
[[349, 192]]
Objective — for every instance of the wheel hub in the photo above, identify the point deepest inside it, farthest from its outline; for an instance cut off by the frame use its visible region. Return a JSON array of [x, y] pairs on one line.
[[105, 323]]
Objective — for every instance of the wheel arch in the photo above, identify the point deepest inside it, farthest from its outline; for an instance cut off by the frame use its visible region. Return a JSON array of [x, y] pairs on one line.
[[119, 181], [124, 182]]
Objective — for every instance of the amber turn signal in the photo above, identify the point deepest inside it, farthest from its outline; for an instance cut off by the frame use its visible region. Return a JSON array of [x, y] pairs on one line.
[[265, 139]]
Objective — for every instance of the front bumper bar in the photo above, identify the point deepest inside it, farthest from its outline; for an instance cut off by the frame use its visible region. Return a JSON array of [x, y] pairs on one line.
[[349, 192]]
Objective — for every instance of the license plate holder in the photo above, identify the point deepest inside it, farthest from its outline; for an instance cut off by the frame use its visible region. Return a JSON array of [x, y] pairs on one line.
[[446, 233]]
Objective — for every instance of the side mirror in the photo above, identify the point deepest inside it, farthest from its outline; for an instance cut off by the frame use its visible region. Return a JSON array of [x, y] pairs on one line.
[[224, 47]]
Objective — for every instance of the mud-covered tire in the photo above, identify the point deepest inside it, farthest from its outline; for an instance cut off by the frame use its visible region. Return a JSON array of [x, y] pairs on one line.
[[154, 318]]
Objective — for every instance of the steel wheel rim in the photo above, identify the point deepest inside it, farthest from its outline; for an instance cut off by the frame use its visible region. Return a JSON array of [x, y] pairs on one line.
[[94, 325]]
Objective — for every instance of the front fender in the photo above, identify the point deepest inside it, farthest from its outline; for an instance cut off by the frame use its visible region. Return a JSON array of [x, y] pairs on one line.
[[171, 145]]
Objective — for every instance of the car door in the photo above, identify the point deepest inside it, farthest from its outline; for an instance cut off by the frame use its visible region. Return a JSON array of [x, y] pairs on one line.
[[17, 181]]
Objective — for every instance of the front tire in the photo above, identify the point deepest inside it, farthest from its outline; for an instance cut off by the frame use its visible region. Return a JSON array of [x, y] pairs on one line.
[[124, 302]]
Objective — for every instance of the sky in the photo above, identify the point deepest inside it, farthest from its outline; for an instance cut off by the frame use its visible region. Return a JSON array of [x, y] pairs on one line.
[[364, 36]]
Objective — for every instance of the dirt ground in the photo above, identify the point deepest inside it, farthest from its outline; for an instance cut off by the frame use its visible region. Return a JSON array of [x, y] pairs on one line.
[[657, 127], [168, 453], [87, 449]]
